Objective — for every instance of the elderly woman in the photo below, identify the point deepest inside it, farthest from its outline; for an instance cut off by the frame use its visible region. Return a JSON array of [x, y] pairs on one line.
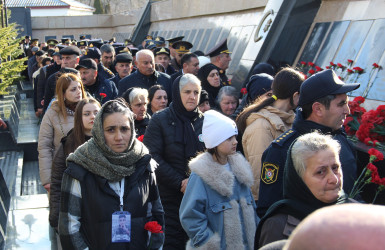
[[227, 100], [137, 99], [57, 122], [173, 139], [312, 180], [109, 190], [157, 99]]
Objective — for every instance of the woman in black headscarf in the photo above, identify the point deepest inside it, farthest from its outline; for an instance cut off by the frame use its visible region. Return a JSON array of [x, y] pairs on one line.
[[173, 138], [211, 82], [312, 180]]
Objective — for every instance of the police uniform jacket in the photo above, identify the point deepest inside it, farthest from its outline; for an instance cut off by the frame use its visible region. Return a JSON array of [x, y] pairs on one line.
[[225, 80], [104, 72], [139, 80], [274, 158], [116, 80], [175, 64]]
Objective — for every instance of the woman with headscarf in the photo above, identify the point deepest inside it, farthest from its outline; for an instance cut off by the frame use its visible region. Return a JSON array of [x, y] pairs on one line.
[[109, 189], [261, 123], [57, 122], [211, 82], [312, 180], [173, 138]]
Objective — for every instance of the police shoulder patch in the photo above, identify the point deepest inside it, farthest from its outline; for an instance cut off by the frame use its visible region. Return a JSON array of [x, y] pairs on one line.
[[269, 173]]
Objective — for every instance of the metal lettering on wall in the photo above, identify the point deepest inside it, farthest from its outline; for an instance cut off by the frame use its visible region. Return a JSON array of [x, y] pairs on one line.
[[264, 25]]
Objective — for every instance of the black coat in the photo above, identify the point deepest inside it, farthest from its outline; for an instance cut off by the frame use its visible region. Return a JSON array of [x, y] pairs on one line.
[[139, 80], [99, 202], [45, 72], [172, 170], [271, 190]]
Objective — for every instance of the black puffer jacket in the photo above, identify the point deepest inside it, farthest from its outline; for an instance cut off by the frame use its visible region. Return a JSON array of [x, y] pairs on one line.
[[160, 139]]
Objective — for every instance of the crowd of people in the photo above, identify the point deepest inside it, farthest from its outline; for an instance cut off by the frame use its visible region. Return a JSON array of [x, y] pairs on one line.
[[156, 133]]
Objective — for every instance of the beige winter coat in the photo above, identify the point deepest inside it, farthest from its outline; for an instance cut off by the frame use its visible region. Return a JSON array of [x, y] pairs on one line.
[[262, 128], [52, 129]]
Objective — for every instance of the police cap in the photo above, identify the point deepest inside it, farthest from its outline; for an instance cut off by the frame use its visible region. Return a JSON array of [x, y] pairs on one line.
[[182, 47], [175, 39], [93, 53], [220, 48], [159, 51], [52, 42], [322, 84], [82, 43]]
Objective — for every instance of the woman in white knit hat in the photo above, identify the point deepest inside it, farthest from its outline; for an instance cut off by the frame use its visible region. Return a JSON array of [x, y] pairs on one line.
[[218, 209]]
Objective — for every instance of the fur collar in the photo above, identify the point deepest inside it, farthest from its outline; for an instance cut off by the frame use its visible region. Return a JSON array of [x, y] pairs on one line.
[[218, 178]]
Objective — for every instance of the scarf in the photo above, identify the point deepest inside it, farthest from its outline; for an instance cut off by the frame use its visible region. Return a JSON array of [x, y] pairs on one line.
[[298, 200], [212, 91], [95, 156], [185, 132]]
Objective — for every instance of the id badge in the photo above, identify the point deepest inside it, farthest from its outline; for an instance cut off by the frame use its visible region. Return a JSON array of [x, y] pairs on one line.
[[121, 227]]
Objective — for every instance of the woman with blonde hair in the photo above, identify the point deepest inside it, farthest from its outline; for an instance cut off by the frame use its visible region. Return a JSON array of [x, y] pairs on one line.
[[57, 122]]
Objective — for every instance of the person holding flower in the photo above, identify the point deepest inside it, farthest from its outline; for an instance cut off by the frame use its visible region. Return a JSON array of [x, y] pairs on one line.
[[110, 175], [312, 180], [218, 209]]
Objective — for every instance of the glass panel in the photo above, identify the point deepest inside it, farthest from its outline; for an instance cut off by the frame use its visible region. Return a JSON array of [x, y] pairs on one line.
[[371, 52], [354, 38], [197, 38], [180, 33], [168, 36], [205, 39], [233, 37], [186, 33], [241, 43], [174, 34], [191, 36], [331, 44], [213, 39]]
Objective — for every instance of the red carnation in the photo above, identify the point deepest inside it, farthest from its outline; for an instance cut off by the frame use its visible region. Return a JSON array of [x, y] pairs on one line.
[[371, 167], [339, 65], [359, 99], [140, 138], [311, 64], [332, 64], [376, 66], [350, 62], [377, 155], [327, 67], [103, 95], [303, 63], [153, 227], [358, 70], [318, 69], [311, 71], [350, 71], [244, 91]]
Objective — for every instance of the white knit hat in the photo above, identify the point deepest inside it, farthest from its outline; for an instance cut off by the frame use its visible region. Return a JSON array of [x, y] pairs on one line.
[[217, 128]]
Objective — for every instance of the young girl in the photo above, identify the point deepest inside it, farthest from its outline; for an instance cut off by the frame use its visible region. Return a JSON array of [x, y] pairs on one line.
[[218, 210]]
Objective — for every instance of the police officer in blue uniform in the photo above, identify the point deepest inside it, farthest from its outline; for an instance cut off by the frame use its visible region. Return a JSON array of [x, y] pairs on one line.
[[324, 106]]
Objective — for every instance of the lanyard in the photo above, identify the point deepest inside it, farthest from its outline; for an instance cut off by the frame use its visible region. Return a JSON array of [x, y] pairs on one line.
[[121, 194]]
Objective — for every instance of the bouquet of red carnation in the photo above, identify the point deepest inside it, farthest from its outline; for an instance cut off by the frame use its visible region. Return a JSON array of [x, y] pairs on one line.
[[372, 125], [353, 120], [369, 175]]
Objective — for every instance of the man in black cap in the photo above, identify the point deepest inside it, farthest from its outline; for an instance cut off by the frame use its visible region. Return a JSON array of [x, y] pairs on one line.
[[171, 41], [220, 57], [25, 44], [123, 67], [162, 56], [70, 59], [181, 48], [145, 76], [324, 107], [31, 61], [34, 43], [95, 54], [101, 89], [108, 57], [190, 64], [82, 45]]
